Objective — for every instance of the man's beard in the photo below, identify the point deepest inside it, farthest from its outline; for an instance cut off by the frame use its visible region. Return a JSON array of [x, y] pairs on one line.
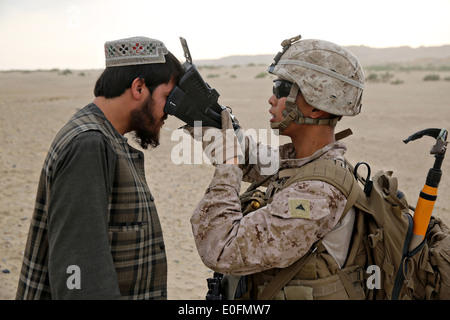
[[144, 125]]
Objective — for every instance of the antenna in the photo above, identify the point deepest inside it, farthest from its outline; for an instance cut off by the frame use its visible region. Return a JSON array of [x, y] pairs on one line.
[[187, 54]]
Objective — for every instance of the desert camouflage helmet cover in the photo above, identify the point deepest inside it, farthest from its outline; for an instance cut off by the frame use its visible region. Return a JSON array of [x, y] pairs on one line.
[[330, 77]]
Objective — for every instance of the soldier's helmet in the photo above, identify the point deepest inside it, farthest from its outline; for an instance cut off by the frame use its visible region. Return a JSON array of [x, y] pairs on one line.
[[329, 76]]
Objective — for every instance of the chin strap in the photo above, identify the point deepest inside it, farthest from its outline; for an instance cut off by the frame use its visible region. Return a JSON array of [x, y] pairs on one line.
[[292, 113]]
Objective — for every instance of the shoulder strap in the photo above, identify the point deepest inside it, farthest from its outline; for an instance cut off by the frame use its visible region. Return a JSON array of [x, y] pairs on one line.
[[334, 172], [285, 275]]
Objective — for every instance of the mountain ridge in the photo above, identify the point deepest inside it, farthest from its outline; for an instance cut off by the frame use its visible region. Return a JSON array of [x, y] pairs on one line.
[[368, 56]]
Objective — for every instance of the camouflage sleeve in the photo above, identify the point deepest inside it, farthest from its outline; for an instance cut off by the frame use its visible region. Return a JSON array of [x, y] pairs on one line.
[[272, 237]]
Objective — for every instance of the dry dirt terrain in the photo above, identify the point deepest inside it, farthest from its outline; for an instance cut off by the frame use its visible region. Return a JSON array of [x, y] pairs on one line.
[[35, 105]]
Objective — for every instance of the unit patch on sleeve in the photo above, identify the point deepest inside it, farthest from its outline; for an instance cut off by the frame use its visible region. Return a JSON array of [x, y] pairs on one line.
[[299, 208]]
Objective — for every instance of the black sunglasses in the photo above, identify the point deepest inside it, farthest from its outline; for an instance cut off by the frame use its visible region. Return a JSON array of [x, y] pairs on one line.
[[281, 88]]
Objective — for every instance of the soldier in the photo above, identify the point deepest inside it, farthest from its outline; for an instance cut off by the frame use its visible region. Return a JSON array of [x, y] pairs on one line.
[[317, 83]]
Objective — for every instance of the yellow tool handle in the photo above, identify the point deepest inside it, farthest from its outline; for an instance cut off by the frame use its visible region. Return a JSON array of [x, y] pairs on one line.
[[424, 209]]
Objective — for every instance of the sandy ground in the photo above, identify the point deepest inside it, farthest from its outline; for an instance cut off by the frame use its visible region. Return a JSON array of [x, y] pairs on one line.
[[34, 106]]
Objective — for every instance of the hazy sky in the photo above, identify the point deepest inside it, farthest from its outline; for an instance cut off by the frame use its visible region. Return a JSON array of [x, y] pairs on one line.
[[71, 33]]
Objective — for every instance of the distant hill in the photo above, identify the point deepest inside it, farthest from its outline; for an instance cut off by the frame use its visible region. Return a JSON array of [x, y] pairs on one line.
[[367, 55], [373, 56], [229, 61]]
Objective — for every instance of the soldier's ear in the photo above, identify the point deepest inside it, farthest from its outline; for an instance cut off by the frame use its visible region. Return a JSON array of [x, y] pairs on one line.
[[316, 113]]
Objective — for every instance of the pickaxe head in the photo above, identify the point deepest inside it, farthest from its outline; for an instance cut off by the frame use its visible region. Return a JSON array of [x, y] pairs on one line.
[[439, 134]]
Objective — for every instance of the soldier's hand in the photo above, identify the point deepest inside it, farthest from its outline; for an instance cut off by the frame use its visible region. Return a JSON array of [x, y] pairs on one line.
[[219, 145]]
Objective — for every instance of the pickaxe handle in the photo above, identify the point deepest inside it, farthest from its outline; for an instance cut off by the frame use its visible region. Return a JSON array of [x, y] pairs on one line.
[[428, 195]]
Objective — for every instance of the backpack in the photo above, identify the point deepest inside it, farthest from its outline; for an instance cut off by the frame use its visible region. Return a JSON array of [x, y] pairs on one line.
[[381, 235]]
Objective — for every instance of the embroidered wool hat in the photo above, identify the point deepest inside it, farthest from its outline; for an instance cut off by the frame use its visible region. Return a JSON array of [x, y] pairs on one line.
[[134, 51]]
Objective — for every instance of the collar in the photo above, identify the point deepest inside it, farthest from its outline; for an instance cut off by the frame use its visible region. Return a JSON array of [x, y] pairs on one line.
[[334, 150]]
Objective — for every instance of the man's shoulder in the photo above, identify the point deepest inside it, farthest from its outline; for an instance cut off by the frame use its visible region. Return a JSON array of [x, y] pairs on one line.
[[94, 138], [87, 119], [77, 142], [86, 148]]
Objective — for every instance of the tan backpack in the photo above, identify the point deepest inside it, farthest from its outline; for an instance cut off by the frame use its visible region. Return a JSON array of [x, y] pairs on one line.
[[381, 236]]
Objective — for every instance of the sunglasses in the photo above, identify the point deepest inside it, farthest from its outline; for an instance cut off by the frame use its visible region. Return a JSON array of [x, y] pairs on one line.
[[281, 88]]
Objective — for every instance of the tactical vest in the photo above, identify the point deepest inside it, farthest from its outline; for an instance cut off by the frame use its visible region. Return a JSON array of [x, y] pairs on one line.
[[380, 243]]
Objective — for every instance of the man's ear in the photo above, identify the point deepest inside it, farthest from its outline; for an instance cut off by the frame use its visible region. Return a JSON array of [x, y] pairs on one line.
[[137, 88]]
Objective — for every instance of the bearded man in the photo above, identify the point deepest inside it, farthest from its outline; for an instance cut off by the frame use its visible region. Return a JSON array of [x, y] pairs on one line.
[[95, 231]]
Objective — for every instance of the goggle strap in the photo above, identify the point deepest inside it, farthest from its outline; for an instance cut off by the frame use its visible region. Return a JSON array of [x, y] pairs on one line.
[[290, 99], [286, 45]]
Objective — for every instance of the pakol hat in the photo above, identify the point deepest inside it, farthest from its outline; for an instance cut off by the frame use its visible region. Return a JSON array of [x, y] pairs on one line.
[[134, 51]]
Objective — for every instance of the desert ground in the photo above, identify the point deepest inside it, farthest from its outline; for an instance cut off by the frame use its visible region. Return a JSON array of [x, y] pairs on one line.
[[35, 105]]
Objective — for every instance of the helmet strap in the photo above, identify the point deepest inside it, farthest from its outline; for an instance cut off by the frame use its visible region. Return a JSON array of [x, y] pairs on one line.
[[293, 113]]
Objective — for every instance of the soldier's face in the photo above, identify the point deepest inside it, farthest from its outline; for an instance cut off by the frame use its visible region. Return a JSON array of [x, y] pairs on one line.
[[281, 89], [277, 108]]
